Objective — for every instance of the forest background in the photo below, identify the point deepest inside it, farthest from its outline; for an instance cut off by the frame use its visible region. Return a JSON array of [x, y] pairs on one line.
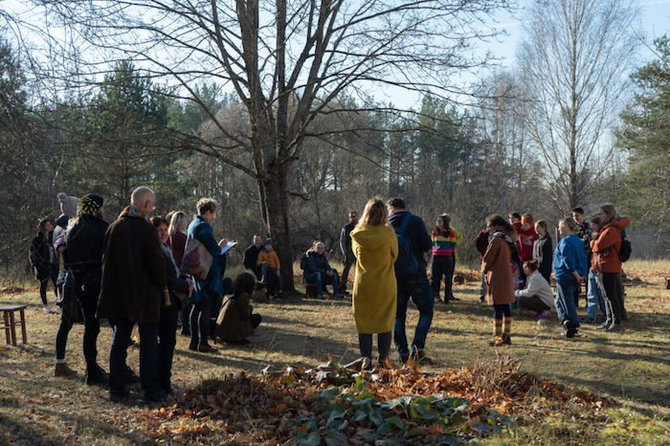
[[510, 141]]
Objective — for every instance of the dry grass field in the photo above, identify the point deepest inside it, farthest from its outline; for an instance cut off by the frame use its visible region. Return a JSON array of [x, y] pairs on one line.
[[631, 369]]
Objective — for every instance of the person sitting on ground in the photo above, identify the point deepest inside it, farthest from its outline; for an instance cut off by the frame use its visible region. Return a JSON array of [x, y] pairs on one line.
[[237, 321], [537, 295], [43, 260], [270, 270], [319, 271], [250, 260], [179, 289]]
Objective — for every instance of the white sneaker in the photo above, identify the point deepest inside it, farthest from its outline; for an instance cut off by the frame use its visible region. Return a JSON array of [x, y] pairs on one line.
[[47, 309]]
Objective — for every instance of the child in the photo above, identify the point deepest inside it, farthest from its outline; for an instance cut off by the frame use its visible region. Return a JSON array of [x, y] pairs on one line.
[[537, 294], [270, 269], [499, 279], [543, 250], [569, 270], [236, 320]]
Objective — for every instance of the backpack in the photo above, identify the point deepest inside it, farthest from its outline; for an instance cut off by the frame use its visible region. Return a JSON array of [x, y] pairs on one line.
[[626, 247], [197, 259], [406, 265]]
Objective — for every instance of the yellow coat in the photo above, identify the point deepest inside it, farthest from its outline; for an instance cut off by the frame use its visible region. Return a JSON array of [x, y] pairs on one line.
[[375, 289]]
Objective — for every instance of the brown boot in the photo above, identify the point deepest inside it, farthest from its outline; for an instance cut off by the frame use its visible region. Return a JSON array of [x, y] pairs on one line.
[[62, 370]]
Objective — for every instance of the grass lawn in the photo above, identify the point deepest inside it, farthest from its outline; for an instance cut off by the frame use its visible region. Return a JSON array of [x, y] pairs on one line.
[[631, 369]]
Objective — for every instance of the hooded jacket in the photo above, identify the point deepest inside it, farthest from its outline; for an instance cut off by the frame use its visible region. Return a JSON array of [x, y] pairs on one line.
[[374, 294], [416, 229], [496, 266], [606, 247]]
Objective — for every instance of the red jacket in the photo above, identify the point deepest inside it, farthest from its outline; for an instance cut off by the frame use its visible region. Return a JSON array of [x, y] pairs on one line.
[[606, 247], [526, 240]]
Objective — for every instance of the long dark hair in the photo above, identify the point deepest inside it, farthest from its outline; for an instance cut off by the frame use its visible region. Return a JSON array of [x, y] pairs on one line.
[[445, 221]]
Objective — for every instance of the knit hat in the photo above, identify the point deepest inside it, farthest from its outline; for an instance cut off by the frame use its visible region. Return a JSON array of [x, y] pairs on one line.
[[68, 205], [268, 241], [90, 204]]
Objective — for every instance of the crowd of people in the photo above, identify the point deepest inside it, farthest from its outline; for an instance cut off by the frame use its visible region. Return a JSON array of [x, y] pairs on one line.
[[159, 272]]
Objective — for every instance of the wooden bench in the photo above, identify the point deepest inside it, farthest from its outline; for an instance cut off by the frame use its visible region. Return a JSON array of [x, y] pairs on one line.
[[10, 323]]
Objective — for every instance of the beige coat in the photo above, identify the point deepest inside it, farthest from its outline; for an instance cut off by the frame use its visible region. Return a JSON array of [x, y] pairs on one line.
[[375, 289], [496, 265]]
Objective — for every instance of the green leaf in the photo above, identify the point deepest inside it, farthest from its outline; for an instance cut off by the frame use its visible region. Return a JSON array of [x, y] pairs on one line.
[[313, 439], [330, 393], [360, 415], [337, 412]]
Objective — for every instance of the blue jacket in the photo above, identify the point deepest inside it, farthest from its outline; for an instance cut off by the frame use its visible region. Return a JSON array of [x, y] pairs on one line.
[[569, 256], [212, 286]]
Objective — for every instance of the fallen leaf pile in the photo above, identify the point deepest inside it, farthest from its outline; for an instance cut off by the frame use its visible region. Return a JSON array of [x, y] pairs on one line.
[[332, 404]]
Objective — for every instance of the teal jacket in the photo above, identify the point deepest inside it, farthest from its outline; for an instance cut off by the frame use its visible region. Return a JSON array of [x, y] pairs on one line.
[[212, 286]]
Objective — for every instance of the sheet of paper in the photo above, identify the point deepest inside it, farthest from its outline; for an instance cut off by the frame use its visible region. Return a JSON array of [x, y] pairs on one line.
[[228, 247]]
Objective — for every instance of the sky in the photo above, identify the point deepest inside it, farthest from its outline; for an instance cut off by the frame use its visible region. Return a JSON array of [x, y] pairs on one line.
[[654, 21]]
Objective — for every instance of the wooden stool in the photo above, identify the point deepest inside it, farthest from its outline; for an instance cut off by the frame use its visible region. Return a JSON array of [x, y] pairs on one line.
[[311, 289], [10, 323]]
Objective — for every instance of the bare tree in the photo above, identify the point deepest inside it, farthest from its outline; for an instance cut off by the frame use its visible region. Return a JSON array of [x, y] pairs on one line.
[[575, 60], [285, 60]]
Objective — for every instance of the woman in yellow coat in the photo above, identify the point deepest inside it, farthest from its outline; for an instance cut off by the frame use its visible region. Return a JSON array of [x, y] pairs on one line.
[[375, 246]]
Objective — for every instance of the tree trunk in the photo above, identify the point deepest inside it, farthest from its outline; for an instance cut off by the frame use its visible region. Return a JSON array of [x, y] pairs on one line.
[[276, 203]]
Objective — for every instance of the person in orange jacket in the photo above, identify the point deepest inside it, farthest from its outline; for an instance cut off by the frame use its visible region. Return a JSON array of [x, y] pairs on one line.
[[270, 267], [606, 263]]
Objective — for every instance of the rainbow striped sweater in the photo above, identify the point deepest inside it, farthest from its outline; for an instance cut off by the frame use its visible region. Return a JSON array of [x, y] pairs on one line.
[[445, 243]]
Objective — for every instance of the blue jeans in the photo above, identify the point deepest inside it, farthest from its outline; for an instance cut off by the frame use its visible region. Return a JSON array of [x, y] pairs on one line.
[[594, 298], [320, 281], [148, 358], [420, 291], [565, 301]]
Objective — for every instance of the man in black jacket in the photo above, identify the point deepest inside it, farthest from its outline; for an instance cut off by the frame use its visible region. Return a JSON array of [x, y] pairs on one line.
[[83, 256], [417, 286], [345, 247], [251, 256], [133, 286]]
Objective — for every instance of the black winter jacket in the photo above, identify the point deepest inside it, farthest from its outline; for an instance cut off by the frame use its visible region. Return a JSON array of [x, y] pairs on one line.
[[416, 229]]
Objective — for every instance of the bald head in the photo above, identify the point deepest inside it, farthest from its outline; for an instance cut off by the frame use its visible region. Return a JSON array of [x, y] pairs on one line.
[[144, 199]]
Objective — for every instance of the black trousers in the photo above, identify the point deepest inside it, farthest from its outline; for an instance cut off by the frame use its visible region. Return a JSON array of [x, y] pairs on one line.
[[87, 286], [612, 284], [349, 260], [167, 339], [442, 266], [383, 344], [201, 318]]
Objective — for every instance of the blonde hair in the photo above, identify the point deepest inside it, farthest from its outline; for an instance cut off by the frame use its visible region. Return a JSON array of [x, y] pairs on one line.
[[570, 223], [374, 214], [178, 222]]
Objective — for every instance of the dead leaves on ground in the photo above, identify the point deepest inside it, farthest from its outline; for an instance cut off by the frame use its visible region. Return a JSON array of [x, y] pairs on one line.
[[331, 404]]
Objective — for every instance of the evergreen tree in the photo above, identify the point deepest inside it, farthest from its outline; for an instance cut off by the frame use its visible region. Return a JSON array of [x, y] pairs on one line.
[[646, 136]]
